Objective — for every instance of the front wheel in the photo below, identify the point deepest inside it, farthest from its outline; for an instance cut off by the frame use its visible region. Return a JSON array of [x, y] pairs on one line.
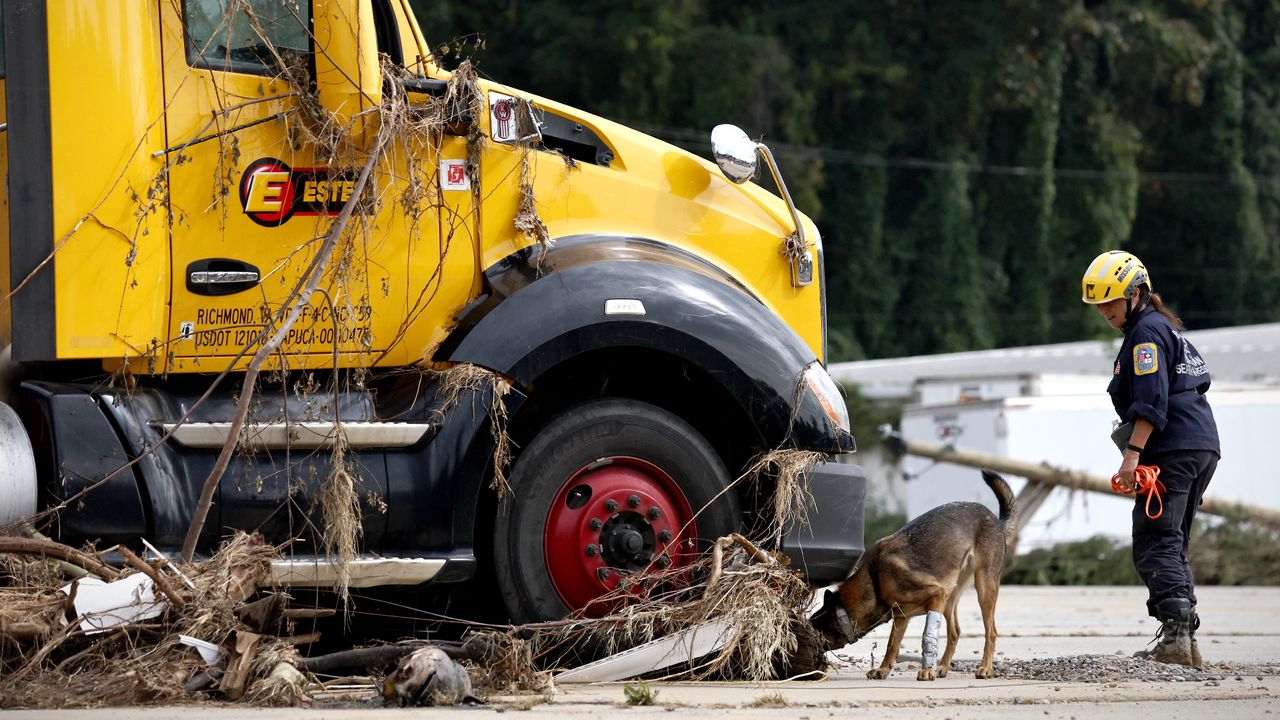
[[606, 489]]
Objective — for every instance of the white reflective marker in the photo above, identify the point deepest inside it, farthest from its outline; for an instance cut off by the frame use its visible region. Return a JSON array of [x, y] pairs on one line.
[[623, 307]]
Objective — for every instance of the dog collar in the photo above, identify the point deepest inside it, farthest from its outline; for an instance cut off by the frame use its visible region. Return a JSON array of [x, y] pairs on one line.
[[846, 626]]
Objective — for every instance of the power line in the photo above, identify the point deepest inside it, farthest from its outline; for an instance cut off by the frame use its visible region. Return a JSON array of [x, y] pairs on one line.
[[694, 138]]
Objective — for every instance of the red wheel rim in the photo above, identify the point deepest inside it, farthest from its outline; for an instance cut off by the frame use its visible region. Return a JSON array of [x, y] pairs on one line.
[[616, 517]]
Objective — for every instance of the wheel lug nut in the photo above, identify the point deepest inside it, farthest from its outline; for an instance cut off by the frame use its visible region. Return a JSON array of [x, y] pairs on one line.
[[634, 501], [665, 536], [593, 550], [595, 524], [664, 562], [655, 512], [611, 505]]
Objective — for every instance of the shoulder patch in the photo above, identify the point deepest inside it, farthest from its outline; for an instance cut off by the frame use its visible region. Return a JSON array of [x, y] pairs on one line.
[[1145, 359]]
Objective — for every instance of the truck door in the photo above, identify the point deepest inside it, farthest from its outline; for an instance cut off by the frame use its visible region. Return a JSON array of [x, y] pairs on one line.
[[251, 196]]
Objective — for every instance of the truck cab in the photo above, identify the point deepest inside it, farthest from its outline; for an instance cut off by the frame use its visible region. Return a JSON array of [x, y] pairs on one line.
[[543, 348]]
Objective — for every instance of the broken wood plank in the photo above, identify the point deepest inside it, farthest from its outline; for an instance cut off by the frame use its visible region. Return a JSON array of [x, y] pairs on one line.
[[265, 615], [233, 680], [309, 613], [302, 639]]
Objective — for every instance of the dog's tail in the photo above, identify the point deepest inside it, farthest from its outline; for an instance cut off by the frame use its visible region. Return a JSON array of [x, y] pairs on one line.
[[1004, 496]]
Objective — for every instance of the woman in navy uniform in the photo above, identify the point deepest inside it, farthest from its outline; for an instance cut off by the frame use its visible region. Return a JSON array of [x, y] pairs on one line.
[[1159, 386]]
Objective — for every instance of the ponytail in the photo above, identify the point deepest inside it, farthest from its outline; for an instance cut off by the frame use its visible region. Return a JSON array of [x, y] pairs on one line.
[[1161, 308]]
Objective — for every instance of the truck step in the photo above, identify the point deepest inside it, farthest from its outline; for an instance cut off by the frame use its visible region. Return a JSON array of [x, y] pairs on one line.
[[314, 571], [299, 435]]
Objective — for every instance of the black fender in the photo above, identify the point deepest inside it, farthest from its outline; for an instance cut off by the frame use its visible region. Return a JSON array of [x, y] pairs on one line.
[[547, 306], [77, 446]]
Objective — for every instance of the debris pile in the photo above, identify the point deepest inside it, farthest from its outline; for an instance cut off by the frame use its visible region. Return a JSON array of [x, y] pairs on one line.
[[739, 613], [76, 631], [150, 633]]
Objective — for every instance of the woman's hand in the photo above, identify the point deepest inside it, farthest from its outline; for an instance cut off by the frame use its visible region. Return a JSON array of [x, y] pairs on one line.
[[1127, 469], [1142, 430]]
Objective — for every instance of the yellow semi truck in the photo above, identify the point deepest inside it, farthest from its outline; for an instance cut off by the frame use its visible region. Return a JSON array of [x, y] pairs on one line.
[[650, 322]]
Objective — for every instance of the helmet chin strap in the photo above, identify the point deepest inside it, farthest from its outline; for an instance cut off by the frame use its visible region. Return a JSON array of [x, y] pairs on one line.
[[1144, 299]]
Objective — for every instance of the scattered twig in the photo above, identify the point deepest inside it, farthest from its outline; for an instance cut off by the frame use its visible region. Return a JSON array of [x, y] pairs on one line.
[[717, 556], [162, 583]]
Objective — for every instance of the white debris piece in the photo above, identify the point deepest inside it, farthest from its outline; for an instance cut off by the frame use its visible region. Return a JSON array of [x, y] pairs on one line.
[[102, 605], [681, 647]]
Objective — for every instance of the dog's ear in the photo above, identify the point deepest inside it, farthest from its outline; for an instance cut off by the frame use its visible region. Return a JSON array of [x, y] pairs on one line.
[[825, 622], [825, 608]]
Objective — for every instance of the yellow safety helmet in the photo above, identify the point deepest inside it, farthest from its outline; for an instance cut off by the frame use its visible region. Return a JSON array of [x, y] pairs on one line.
[[1113, 274]]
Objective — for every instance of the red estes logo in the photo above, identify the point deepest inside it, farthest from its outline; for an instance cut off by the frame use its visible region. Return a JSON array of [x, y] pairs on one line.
[[271, 192]]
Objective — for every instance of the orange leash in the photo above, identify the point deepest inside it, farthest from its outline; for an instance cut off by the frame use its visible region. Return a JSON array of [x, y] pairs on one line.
[[1148, 480]]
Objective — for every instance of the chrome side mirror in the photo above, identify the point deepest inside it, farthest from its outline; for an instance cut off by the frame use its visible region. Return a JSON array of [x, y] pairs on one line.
[[735, 153], [737, 156]]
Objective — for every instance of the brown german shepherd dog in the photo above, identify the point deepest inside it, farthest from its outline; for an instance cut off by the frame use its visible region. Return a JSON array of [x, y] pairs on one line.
[[922, 570]]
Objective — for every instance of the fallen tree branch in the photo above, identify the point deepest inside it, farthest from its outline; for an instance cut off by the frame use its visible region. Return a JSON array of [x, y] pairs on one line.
[[1061, 477], [70, 570], [272, 345], [58, 551], [23, 631], [367, 657], [753, 551]]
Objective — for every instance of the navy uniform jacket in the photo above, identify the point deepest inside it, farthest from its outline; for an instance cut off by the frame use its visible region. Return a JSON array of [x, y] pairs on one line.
[[1161, 378]]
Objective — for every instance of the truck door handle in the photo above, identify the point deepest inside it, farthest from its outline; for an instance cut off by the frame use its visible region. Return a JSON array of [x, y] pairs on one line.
[[220, 276]]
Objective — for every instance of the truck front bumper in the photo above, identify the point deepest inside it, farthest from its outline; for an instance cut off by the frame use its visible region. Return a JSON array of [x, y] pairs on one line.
[[828, 546]]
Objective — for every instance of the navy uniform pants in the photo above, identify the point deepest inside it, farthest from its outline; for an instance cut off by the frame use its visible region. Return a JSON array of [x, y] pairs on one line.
[[1160, 545]]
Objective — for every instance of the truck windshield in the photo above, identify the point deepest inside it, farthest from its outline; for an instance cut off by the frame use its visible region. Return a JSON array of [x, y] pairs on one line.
[[246, 36]]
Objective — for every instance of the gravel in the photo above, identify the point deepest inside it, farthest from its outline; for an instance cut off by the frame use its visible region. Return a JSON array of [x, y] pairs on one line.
[[1111, 668]]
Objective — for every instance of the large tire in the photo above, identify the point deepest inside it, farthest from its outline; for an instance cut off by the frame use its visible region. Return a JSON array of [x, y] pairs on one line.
[[574, 513]]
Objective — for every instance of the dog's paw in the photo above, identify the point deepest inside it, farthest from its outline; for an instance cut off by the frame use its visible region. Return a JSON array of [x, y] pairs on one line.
[[985, 672], [943, 670], [879, 673], [927, 674]]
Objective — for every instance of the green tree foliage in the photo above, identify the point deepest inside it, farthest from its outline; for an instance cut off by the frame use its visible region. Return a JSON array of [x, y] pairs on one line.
[[1260, 46], [1223, 552], [964, 160]]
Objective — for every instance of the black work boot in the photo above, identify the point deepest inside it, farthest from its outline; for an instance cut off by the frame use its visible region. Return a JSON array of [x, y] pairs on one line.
[[1174, 644]]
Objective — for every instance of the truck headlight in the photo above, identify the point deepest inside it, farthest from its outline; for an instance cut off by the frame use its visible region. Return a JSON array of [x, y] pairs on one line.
[[828, 395]]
